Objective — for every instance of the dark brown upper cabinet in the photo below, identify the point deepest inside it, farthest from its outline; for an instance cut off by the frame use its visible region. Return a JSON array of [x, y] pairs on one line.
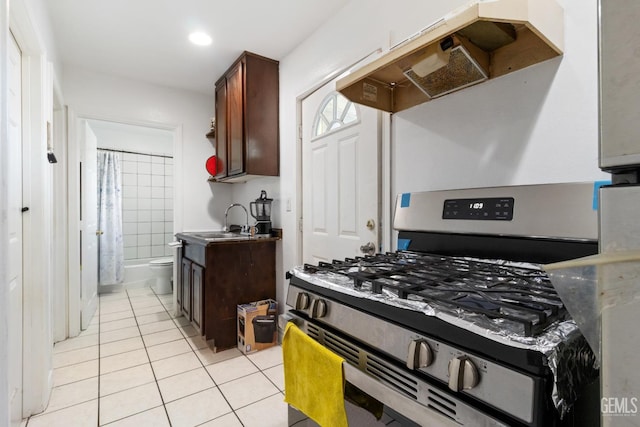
[[247, 129]]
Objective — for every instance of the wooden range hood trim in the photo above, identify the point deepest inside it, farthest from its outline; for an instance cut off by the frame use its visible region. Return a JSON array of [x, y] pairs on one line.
[[540, 36]]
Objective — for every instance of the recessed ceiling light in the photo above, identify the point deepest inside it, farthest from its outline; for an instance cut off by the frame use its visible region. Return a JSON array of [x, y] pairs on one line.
[[200, 38]]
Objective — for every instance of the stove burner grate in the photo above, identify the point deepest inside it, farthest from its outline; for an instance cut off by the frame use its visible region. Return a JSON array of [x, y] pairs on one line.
[[495, 289]]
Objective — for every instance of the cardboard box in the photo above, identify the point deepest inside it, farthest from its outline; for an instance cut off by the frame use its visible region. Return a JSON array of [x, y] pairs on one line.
[[257, 325]]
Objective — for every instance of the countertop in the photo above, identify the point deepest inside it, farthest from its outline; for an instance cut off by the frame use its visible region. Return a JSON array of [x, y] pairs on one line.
[[206, 238]]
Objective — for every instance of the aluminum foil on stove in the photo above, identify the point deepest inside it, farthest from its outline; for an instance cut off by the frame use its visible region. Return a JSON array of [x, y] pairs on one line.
[[569, 357]]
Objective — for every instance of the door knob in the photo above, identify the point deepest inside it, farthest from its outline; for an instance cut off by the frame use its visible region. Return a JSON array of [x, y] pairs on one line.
[[368, 249], [371, 224]]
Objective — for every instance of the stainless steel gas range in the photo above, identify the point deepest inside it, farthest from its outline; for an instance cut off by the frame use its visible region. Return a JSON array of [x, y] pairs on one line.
[[461, 326]]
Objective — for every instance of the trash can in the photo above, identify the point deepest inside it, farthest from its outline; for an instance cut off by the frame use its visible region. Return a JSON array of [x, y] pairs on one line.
[[264, 328]]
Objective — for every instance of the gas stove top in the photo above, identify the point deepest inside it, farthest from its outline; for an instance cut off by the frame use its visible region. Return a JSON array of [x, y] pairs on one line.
[[516, 292]]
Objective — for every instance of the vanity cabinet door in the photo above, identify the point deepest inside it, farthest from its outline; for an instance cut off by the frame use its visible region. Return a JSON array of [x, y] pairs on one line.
[[185, 288], [197, 289], [178, 284]]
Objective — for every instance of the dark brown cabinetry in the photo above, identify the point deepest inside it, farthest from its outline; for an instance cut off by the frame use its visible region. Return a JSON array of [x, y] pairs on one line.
[[190, 292], [197, 296], [184, 291], [216, 277], [247, 119]]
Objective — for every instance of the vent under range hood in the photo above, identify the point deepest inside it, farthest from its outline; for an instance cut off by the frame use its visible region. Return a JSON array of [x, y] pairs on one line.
[[480, 41]]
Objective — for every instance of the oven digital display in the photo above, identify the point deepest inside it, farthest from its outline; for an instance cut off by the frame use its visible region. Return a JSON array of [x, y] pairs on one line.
[[488, 209]]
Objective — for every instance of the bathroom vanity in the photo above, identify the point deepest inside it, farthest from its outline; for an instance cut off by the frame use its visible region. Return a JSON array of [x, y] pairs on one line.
[[216, 272]]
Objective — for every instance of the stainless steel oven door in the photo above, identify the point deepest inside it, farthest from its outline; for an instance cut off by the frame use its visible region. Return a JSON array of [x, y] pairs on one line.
[[410, 396], [405, 345]]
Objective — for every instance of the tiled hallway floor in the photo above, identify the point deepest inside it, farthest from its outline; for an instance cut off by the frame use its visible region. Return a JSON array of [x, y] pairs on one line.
[[137, 365]]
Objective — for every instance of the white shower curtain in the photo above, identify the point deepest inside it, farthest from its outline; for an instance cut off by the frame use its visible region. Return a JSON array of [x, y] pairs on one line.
[[111, 247]]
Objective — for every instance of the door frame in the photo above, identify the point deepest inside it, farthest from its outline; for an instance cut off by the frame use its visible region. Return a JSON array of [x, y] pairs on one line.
[[385, 196], [60, 243], [4, 250], [37, 93], [74, 120]]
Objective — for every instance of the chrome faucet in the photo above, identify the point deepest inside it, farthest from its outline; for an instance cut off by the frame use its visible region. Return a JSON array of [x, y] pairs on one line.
[[245, 228]]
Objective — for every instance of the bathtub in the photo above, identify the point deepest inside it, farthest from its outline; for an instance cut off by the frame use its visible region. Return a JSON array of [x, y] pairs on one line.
[[136, 275]]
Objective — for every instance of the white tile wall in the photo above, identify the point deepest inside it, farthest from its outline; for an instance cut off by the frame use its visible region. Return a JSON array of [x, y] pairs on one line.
[[147, 205], [157, 215], [144, 169]]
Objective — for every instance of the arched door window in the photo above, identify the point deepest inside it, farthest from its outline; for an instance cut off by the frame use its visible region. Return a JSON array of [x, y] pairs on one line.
[[335, 111]]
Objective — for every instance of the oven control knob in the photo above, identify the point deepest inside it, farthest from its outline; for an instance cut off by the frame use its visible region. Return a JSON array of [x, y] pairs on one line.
[[318, 308], [420, 355], [463, 374], [302, 301]]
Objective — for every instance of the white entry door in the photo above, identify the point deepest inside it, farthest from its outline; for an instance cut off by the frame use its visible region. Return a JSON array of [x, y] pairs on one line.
[[340, 177], [89, 233], [15, 231]]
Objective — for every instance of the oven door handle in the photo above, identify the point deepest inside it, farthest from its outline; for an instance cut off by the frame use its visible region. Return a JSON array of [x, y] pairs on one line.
[[285, 318]]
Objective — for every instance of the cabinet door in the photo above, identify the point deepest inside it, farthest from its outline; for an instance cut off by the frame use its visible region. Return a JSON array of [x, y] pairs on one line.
[[261, 92], [185, 288], [221, 129], [235, 114], [197, 289], [179, 284]]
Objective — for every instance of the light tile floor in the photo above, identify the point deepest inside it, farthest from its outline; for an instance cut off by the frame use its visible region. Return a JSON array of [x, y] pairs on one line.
[[137, 365]]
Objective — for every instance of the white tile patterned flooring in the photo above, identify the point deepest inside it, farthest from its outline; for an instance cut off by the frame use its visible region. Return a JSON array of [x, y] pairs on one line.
[[137, 365]]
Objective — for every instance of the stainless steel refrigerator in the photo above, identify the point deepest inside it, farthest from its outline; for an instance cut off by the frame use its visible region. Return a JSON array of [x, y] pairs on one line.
[[619, 282]]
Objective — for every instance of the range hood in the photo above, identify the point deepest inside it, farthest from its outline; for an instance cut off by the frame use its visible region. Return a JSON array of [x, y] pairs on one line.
[[480, 41]]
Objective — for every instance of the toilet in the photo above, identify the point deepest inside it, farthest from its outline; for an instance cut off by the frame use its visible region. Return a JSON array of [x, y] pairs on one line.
[[162, 272]]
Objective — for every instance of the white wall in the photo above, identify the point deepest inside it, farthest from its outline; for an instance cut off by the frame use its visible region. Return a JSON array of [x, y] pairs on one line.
[[141, 139], [199, 205], [38, 13], [250, 191], [537, 125], [534, 126]]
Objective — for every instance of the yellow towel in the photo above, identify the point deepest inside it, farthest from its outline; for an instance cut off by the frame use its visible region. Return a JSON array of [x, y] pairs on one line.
[[313, 379]]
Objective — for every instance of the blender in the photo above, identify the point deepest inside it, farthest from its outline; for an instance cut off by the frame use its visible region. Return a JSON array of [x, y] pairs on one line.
[[261, 211]]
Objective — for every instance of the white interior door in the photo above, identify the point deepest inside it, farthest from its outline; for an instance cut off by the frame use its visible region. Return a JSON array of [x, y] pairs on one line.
[[89, 233], [340, 177], [15, 232]]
